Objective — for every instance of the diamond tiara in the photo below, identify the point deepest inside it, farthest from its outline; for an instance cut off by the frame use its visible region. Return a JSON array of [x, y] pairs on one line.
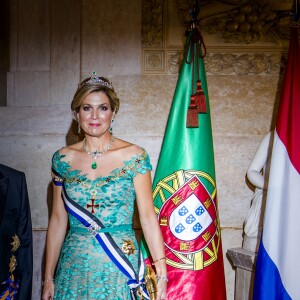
[[96, 80]]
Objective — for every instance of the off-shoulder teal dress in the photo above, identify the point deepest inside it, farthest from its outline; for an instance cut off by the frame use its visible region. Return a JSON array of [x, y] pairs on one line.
[[84, 269]]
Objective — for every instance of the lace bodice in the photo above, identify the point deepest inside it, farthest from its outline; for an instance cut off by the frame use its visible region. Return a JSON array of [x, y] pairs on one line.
[[114, 194]]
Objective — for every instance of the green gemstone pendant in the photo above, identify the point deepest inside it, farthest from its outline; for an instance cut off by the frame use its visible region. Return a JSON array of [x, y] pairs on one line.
[[94, 165]]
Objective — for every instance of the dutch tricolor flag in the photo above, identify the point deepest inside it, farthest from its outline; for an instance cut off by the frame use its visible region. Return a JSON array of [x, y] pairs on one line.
[[278, 263]]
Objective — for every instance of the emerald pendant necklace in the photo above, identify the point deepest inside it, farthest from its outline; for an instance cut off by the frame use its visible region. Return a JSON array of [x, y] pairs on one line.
[[96, 154]]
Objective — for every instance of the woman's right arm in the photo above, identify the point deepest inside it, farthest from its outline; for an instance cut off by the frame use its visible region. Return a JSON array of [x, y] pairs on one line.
[[55, 236]]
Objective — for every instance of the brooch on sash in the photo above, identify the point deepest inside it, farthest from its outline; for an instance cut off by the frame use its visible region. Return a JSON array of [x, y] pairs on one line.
[[128, 247]]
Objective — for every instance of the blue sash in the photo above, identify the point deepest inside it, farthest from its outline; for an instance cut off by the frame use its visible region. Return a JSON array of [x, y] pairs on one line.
[[135, 281]]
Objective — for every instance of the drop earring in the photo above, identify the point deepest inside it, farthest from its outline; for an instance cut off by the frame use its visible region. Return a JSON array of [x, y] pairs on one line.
[[110, 128], [78, 130]]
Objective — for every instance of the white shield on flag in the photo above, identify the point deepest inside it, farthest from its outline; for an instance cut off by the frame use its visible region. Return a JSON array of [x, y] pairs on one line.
[[188, 218]]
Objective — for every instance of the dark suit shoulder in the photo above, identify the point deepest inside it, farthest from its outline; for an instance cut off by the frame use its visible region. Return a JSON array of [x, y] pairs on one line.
[[8, 171]]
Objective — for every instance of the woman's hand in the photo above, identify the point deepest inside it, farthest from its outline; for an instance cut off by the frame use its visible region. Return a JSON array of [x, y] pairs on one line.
[[48, 290], [161, 289]]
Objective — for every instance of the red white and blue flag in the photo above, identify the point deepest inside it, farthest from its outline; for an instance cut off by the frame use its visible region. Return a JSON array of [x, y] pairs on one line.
[[278, 264]]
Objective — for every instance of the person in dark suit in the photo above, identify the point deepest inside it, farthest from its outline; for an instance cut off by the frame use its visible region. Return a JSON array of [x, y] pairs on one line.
[[16, 261]]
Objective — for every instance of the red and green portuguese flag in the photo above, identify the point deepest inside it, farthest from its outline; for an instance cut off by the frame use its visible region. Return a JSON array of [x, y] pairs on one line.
[[184, 187]]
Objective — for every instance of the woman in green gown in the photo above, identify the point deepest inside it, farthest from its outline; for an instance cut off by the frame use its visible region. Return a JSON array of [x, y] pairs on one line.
[[95, 185]]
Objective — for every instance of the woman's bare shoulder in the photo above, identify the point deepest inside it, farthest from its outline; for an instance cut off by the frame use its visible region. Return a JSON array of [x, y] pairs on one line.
[[128, 149], [71, 149]]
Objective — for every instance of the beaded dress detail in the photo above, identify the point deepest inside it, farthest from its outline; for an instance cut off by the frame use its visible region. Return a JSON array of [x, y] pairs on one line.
[[84, 270]]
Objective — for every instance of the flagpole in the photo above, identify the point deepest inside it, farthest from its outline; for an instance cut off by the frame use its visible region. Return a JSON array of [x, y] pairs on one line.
[[194, 13], [294, 12]]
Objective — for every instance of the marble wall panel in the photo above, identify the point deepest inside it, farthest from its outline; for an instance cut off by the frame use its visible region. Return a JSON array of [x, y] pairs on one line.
[[33, 36], [65, 19], [13, 35], [30, 88], [111, 37], [10, 89], [145, 101], [243, 105], [232, 158], [4, 49], [35, 121], [3, 89]]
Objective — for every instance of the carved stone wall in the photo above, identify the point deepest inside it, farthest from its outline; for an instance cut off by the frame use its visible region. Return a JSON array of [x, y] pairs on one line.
[[258, 48]]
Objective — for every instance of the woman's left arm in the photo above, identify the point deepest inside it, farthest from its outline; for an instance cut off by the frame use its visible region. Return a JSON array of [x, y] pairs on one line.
[[151, 229]]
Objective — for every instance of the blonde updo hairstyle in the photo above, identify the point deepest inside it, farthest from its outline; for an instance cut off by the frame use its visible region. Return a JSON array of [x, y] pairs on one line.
[[86, 88]]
